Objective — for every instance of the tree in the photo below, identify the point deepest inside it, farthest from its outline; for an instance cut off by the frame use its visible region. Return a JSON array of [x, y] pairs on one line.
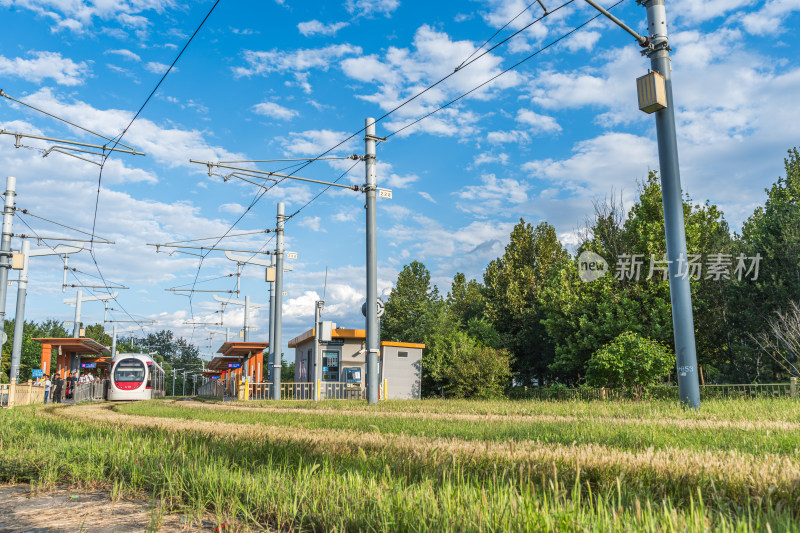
[[409, 304], [514, 284], [463, 368], [781, 339], [98, 333], [630, 361], [465, 299], [773, 232]]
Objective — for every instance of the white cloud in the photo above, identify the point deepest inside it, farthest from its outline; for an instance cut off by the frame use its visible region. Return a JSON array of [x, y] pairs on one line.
[[170, 146], [296, 62], [43, 65], [400, 182], [538, 123], [312, 223], [76, 15], [315, 142], [125, 54], [427, 196], [510, 136], [315, 27], [370, 8], [582, 41], [273, 110], [492, 196], [158, 68], [403, 72], [488, 157], [770, 18], [233, 208], [695, 11]]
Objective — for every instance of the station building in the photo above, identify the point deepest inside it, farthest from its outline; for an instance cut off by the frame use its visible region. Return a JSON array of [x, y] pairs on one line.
[[338, 355]]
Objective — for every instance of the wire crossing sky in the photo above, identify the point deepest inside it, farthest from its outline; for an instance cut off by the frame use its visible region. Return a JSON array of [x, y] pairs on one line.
[[525, 117]]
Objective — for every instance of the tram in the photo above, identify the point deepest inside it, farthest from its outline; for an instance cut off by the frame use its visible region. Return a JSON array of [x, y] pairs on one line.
[[136, 376]]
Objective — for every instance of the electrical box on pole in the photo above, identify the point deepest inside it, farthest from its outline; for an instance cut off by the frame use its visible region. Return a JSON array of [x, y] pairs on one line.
[[652, 92]]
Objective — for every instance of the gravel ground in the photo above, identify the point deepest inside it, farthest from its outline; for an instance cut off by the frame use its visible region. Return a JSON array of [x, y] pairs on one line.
[[64, 510]]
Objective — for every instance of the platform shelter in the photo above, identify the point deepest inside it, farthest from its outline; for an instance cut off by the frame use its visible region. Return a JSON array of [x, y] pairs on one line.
[[74, 354], [239, 359]]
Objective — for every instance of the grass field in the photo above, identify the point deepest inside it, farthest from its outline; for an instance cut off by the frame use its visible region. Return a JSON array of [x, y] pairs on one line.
[[429, 465]]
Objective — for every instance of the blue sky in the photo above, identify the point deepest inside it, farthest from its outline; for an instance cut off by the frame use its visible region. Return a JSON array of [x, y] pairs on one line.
[[285, 79]]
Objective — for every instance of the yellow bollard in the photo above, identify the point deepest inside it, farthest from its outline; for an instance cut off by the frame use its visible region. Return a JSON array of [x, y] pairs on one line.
[[385, 389], [318, 384]]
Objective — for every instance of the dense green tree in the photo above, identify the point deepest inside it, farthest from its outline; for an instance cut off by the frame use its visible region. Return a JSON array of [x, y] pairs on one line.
[[473, 370], [514, 284], [631, 362], [465, 299], [582, 317], [773, 232], [408, 306], [97, 332]]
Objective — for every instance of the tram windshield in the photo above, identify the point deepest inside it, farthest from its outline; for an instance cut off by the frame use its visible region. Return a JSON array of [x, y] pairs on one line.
[[129, 370]]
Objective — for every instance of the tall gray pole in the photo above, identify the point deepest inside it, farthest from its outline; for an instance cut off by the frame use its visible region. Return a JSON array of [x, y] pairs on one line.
[[173, 382], [679, 287], [271, 351], [372, 266], [315, 377], [278, 296], [19, 318], [5, 247], [114, 341], [246, 312], [76, 327], [184, 383]]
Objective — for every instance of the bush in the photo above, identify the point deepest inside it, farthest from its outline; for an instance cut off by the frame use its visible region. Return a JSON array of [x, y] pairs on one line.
[[471, 370], [631, 362]]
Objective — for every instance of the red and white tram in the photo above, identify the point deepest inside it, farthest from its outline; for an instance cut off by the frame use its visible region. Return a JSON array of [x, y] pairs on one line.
[[135, 376]]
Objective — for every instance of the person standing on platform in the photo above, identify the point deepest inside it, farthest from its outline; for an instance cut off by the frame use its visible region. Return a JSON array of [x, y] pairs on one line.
[[47, 386], [58, 388]]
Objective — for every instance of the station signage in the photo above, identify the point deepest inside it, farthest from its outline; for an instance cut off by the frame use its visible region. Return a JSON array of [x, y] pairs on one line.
[[37, 372], [88, 365], [234, 365]]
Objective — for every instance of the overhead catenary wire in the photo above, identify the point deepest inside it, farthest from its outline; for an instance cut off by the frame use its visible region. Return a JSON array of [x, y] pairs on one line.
[[26, 212], [74, 272], [512, 67]]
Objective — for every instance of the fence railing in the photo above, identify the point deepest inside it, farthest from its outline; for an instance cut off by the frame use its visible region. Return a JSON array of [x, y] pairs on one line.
[[659, 392], [22, 394], [92, 391], [213, 389]]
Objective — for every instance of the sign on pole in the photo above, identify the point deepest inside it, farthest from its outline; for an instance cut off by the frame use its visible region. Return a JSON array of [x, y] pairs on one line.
[[37, 373]]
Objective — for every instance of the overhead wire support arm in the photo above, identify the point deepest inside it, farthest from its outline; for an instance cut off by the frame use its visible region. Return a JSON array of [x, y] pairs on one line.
[[643, 41], [211, 164], [6, 95], [105, 148], [209, 248]]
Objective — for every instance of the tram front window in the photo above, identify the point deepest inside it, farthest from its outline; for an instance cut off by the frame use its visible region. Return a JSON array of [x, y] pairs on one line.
[[129, 370]]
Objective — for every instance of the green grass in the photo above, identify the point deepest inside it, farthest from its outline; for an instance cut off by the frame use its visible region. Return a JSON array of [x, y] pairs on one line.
[[646, 432], [297, 485]]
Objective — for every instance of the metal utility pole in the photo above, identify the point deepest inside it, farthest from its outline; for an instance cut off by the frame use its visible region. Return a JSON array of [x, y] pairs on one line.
[[173, 381], [184, 383], [370, 188], [113, 341], [671, 197], [76, 326], [5, 246], [657, 49], [247, 306], [77, 301], [316, 376], [275, 349], [22, 289], [19, 320], [270, 353]]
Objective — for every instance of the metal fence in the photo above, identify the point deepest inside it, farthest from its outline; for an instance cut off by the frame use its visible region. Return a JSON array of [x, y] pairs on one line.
[[93, 391], [213, 389], [22, 394], [658, 392]]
